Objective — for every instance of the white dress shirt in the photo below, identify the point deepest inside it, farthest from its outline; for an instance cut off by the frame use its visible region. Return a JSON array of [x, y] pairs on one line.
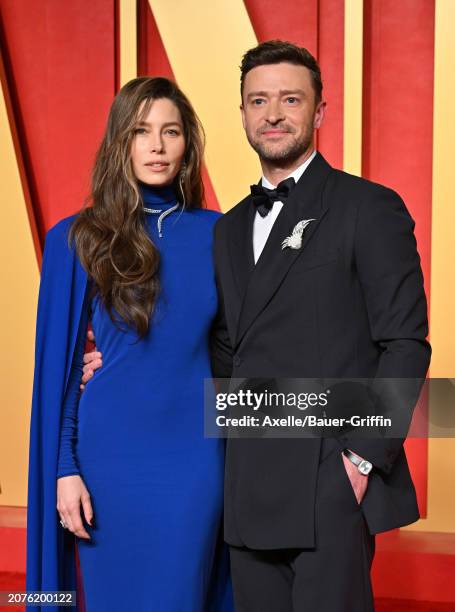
[[262, 226]]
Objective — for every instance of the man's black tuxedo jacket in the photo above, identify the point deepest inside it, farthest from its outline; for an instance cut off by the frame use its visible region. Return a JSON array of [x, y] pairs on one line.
[[348, 303]]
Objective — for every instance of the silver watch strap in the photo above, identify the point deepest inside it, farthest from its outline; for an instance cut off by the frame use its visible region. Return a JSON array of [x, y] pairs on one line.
[[352, 458]]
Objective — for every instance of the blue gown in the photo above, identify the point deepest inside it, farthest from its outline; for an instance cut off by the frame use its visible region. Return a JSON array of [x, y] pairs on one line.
[[135, 435]]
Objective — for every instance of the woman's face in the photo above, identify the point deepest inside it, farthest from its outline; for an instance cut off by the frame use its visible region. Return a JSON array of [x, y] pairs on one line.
[[158, 144]]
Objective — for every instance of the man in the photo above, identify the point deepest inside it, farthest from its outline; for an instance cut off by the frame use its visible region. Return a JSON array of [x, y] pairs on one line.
[[347, 301], [318, 277]]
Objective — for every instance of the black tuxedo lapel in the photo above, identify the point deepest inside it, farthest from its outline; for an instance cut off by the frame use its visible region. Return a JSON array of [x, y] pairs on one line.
[[241, 247], [305, 202]]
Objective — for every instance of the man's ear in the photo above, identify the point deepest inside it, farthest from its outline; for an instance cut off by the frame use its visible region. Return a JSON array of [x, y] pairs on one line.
[[242, 112], [319, 114]]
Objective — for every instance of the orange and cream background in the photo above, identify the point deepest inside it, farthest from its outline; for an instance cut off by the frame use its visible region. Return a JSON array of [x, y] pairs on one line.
[[389, 82]]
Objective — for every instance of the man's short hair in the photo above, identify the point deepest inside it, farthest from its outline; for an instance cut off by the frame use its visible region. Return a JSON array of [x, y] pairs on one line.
[[276, 52]]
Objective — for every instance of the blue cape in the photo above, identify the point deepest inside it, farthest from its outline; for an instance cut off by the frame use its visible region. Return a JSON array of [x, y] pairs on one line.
[[51, 549]]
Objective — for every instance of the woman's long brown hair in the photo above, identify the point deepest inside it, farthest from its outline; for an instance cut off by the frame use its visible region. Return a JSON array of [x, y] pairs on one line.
[[109, 233]]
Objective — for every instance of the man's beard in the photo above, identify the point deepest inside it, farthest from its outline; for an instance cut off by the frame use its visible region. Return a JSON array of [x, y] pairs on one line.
[[292, 151]]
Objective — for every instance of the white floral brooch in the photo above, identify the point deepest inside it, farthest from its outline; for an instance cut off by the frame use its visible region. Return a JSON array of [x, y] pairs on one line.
[[294, 241]]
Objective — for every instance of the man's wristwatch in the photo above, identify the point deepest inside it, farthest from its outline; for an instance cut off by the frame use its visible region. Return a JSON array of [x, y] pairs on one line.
[[363, 465]]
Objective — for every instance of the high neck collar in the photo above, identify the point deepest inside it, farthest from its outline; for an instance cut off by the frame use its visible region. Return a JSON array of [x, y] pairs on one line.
[[161, 197]]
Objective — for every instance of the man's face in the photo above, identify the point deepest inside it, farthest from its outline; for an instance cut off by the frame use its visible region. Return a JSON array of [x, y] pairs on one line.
[[279, 111]]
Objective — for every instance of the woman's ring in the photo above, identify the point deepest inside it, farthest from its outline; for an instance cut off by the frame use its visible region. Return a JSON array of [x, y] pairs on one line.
[[63, 524]]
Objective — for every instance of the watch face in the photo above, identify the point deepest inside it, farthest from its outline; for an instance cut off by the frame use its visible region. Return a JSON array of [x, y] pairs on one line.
[[365, 467]]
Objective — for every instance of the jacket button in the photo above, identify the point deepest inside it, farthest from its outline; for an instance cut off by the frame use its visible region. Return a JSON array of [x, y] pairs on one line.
[[237, 360]]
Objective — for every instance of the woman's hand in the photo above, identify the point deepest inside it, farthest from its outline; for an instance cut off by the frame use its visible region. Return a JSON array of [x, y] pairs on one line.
[[92, 361], [71, 493]]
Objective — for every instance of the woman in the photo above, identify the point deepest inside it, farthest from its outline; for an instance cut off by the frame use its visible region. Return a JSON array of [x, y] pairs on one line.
[[126, 463]]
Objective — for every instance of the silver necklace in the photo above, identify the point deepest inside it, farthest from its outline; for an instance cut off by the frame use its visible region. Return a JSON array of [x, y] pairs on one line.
[[162, 216]]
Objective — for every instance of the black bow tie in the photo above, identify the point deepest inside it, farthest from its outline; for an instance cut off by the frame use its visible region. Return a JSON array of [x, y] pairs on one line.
[[264, 198]]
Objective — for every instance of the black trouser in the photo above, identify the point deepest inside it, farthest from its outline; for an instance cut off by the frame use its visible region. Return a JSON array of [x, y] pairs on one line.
[[332, 577]]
